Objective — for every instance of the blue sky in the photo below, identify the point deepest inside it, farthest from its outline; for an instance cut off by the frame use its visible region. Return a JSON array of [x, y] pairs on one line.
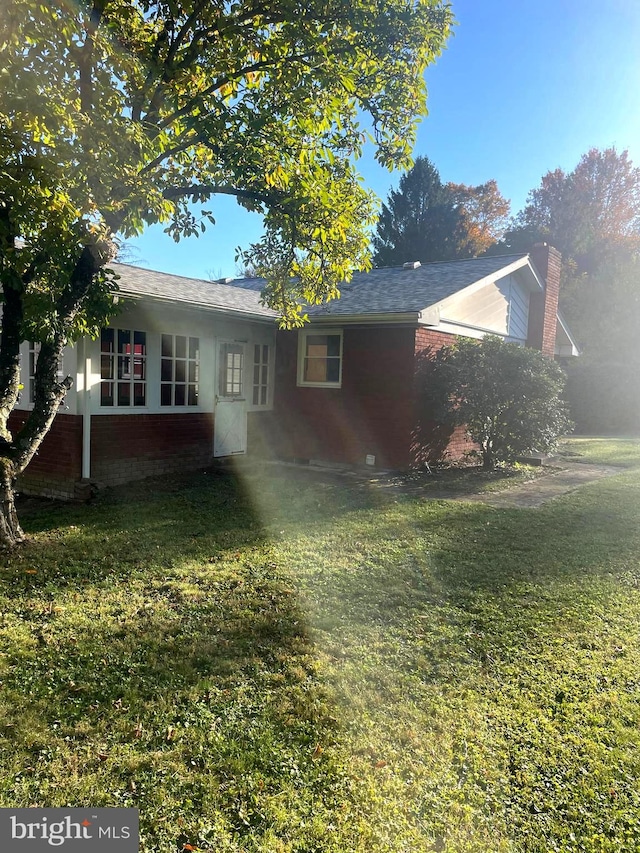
[[524, 86]]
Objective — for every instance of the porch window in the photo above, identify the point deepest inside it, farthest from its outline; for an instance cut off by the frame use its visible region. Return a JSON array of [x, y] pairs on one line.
[[230, 382], [179, 370], [123, 367], [320, 359], [260, 374]]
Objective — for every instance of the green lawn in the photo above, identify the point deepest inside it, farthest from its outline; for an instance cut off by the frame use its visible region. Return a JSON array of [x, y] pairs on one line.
[[608, 450], [275, 664]]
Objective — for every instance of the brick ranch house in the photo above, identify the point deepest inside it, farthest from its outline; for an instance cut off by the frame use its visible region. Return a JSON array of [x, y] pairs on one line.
[[191, 370]]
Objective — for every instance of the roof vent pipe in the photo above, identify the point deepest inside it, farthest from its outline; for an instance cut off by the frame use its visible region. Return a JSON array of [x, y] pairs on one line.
[[412, 265]]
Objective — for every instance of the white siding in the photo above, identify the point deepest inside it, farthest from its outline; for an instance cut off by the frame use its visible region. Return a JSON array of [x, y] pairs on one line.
[[501, 308], [487, 308], [518, 298], [156, 319]]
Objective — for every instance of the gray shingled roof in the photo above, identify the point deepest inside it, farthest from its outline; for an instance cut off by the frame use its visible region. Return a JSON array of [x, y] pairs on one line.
[[135, 281], [393, 290]]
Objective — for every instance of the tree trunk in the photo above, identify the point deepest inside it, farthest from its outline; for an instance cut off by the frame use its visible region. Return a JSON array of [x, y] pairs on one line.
[[11, 534], [17, 451], [488, 459]]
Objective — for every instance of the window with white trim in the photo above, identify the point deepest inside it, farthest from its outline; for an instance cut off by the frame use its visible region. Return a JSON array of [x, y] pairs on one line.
[[260, 374], [34, 352], [231, 368], [320, 358], [123, 367], [179, 370]]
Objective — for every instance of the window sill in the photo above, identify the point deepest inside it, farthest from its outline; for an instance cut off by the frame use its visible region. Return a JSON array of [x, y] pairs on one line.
[[319, 384]]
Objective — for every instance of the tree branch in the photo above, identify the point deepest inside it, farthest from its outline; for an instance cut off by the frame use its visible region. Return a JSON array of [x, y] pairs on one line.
[[12, 317], [172, 193], [184, 30], [48, 394], [155, 69], [10, 340], [169, 153], [85, 58], [210, 90]]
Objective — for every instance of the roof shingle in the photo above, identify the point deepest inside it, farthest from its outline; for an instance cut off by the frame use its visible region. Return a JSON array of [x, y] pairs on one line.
[[396, 290], [393, 290], [135, 281]]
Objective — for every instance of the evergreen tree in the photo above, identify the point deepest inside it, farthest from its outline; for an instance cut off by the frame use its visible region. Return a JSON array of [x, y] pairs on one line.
[[420, 222], [426, 220]]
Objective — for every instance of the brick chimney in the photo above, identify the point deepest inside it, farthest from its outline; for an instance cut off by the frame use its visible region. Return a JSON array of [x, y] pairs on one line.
[[543, 307]]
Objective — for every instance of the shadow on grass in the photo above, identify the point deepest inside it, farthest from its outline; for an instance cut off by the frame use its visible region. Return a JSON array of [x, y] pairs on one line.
[[149, 525], [154, 633], [145, 591], [133, 647], [453, 549], [168, 639], [415, 557]]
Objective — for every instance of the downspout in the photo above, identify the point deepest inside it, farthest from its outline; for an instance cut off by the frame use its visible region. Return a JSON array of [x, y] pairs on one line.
[[86, 415]]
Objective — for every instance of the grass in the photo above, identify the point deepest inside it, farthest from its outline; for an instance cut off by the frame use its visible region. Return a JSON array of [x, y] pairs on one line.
[[609, 450], [280, 664]]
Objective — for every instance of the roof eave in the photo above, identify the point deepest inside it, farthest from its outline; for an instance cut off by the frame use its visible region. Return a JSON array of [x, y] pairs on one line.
[[566, 349], [412, 317], [201, 306]]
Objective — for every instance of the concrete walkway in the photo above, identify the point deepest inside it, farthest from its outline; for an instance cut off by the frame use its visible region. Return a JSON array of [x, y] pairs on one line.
[[559, 479], [567, 478]]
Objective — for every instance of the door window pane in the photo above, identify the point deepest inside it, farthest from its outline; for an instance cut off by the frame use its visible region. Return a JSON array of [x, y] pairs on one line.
[[231, 370], [260, 394]]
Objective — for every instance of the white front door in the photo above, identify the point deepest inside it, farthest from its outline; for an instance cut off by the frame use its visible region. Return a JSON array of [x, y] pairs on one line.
[[230, 426]]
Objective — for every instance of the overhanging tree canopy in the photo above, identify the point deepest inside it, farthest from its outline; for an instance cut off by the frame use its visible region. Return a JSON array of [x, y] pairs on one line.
[[115, 114]]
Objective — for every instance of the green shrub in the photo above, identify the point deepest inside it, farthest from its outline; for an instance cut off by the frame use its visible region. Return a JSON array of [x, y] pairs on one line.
[[508, 396]]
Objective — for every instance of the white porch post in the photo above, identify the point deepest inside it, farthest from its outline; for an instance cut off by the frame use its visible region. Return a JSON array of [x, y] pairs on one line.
[[86, 414]]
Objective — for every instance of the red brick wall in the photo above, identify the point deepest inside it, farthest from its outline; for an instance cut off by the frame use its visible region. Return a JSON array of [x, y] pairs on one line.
[[131, 447], [432, 441], [370, 414], [123, 448], [428, 342], [543, 307], [57, 465], [377, 411]]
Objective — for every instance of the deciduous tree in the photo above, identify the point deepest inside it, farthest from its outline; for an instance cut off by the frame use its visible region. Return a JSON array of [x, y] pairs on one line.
[[603, 388], [588, 213], [485, 214], [592, 214], [119, 113]]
